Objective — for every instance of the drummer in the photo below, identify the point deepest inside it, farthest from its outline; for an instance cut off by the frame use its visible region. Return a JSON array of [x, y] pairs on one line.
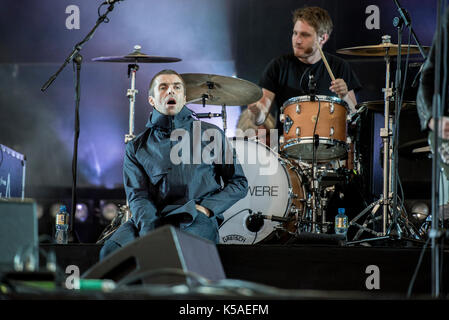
[[288, 75]]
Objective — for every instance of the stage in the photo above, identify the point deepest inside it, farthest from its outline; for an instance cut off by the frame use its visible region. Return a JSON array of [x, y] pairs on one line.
[[308, 271], [319, 107]]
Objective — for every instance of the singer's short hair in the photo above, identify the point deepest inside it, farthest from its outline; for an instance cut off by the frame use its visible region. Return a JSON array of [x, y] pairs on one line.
[[165, 71], [317, 17]]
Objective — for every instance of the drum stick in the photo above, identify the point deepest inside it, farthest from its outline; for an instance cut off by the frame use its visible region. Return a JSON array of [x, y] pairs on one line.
[[326, 64]]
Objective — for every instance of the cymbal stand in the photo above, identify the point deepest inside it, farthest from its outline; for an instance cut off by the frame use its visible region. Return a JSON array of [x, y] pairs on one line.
[[386, 200], [131, 94], [385, 134], [223, 117]]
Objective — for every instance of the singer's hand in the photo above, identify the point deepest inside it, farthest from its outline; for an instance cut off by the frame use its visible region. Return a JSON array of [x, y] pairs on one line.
[[339, 87], [203, 210]]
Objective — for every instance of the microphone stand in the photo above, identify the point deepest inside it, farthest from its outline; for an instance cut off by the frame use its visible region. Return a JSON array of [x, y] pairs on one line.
[[436, 112], [399, 22], [77, 59], [437, 104], [316, 141]]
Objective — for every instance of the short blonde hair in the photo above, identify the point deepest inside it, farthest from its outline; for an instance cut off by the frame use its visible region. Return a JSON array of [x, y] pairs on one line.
[[317, 17]]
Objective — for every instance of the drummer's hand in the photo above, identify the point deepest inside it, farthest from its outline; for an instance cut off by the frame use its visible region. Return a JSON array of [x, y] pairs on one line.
[[339, 87], [258, 115], [443, 128], [203, 210], [254, 108]]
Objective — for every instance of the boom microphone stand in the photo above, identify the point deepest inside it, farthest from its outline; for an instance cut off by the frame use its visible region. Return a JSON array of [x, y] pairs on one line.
[[77, 60], [437, 103]]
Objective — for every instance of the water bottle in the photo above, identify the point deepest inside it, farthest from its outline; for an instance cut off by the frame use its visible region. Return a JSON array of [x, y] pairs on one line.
[[62, 225], [341, 222]]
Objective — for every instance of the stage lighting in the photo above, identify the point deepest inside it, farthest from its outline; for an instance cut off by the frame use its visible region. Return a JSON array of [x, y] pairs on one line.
[[420, 210], [40, 210], [109, 211], [82, 212]]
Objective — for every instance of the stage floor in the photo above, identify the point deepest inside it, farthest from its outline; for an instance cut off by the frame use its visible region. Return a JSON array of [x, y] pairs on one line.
[[323, 268]]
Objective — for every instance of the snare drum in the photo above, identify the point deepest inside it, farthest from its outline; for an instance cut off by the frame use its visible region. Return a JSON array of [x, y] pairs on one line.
[[275, 189], [299, 115]]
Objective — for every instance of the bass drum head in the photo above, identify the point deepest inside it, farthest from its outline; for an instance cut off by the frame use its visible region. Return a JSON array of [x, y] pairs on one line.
[[268, 193]]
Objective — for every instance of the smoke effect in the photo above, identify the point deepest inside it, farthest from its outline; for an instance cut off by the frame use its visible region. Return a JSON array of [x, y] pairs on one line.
[[40, 125], [227, 37]]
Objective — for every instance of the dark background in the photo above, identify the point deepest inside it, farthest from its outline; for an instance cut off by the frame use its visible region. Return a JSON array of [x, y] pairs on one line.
[[225, 37]]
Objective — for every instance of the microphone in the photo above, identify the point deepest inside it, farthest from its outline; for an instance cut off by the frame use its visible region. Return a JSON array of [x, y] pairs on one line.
[[207, 115], [254, 222], [275, 218], [312, 86], [112, 1], [356, 114]]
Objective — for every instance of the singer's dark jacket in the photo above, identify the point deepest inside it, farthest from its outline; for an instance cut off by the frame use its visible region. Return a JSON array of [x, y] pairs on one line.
[[163, 184]]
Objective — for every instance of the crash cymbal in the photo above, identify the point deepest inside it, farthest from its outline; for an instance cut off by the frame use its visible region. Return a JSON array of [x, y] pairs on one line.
[[220, 90], [415, 148], [379, 105], [380, 50], [136, 57]]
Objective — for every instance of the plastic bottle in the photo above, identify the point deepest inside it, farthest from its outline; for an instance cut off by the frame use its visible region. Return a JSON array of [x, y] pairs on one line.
[[62, 225], [341, 222]]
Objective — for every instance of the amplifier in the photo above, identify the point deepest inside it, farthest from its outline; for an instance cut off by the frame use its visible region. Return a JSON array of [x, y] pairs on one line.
[[12, 173]]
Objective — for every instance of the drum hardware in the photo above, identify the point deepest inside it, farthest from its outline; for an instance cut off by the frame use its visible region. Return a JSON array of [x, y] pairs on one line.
[[297, 144], [379, 50], [133, 59], [285, 202], [386, 49], [220, 90], [379, 105]]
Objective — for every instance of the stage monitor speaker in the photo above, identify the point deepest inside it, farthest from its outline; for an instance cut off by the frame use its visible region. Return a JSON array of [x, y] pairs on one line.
[[18, 233], [156, 255]]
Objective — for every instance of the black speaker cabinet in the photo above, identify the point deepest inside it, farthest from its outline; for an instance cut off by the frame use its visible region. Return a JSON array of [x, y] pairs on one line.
[[164, 256], [18, 232]]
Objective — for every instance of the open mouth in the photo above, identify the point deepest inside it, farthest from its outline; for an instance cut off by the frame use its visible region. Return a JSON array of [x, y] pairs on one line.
[[171, 101]]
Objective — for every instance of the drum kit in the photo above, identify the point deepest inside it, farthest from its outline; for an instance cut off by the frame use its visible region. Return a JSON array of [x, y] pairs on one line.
[[290, 190]]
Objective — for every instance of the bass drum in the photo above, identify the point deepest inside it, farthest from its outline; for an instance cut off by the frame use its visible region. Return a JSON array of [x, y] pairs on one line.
[[275, 189]]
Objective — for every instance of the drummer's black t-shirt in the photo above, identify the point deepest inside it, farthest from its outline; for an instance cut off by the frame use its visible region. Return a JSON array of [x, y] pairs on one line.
[[288, 77]]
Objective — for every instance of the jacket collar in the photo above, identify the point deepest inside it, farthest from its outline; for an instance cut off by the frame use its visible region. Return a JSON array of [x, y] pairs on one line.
[[160, 120]]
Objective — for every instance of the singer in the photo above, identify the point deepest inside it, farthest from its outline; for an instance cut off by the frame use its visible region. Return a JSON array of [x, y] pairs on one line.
[[186, 195], [288, 75]]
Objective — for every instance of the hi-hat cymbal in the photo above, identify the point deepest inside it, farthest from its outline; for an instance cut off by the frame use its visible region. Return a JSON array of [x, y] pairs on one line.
[[379, 106], [380, 50], [220, 90], [136, 57]]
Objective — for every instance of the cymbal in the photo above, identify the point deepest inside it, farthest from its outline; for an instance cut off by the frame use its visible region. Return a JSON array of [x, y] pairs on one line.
[[135, 57], [220, 90], [415, 148], [380, 50], [379, 105]]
